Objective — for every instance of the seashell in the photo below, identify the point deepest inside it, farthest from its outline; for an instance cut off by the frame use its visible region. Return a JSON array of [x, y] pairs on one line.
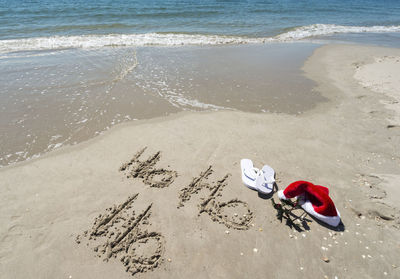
[[325, 259]]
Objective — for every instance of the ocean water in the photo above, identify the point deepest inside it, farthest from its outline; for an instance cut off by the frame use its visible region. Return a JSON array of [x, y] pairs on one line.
[[53, 24], [70, 70]]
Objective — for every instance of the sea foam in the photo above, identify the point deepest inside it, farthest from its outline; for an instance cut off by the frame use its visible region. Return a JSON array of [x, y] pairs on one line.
[[168, 39]]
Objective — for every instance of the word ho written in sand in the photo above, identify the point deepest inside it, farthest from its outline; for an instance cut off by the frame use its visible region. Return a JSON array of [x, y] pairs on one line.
[[159, 178], [120, 233], [221, 212]]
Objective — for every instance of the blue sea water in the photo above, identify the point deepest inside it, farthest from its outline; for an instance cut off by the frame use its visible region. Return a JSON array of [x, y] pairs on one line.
[[178, 22]]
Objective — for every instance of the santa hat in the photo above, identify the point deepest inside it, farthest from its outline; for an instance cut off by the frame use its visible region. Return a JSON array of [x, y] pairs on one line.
[[314, 199]]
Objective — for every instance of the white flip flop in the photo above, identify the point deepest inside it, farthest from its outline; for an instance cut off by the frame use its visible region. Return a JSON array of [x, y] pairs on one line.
[[249, 173], [265, 181]]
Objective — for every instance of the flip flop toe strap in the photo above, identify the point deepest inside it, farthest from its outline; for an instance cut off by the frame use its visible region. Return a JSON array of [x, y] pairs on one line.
[[270, 180], [252, 173]]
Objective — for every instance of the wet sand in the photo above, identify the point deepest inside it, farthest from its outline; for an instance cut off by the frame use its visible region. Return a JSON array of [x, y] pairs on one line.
[[53, 99], [178, 209]]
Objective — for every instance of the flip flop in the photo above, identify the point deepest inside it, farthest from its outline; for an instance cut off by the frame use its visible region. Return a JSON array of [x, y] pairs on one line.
[[265, 182], [249, 173]]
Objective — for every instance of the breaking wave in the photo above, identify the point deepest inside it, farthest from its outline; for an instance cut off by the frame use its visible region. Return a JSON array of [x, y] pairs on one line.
[[159, 39]]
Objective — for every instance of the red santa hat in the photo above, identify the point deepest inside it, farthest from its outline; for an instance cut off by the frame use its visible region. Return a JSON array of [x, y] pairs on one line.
[[314, 199]]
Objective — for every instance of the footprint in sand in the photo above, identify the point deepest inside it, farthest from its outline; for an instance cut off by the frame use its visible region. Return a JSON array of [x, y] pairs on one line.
[[370, 185], [159, 178], [121, 234], [233, 213]]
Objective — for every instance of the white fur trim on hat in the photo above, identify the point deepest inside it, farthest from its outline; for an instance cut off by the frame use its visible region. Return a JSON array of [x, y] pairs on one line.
[[330, 220], [281, 195]]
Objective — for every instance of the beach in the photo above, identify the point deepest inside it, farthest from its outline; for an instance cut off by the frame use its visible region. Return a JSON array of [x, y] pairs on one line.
[[166, 193]]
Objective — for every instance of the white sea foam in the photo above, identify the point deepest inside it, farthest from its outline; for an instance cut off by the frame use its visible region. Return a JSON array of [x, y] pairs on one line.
[[97, 41], [156, 39], [308, 31], [182, 102]]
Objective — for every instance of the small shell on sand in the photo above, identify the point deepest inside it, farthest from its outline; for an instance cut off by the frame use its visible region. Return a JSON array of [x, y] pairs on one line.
[[227, 232], [169, 260], [241, 254], [255, 250], [325, 259]]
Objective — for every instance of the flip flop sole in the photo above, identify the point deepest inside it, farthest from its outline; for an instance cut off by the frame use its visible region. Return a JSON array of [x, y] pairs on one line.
[[249, 174]]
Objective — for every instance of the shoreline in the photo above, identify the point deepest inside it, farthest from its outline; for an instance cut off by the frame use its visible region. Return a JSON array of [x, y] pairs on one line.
[[94, 90], [344, 144]]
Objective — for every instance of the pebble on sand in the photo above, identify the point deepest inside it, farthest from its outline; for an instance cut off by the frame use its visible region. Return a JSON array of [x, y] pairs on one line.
[[325, 259]]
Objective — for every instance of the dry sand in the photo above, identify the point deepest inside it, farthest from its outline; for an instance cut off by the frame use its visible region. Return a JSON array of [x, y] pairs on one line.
[[181, 210]]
